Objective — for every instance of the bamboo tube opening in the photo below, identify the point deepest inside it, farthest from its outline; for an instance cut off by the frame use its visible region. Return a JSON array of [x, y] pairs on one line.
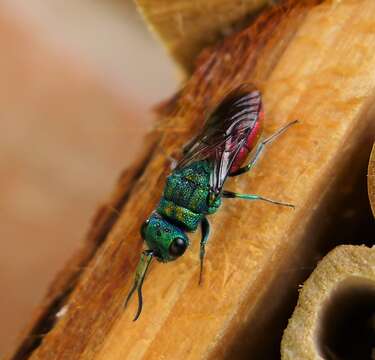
[[347, 326], [335, 315]]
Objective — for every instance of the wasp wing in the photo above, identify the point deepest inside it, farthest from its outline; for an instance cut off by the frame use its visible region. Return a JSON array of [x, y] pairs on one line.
[[224, 134]]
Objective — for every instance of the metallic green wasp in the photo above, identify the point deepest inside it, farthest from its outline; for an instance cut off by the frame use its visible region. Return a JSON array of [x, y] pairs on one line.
[[195, 187]]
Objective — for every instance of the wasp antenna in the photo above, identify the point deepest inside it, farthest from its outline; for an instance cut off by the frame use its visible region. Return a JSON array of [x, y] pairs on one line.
[[295, 121], [140, 298], [131, 292], [140, 274]]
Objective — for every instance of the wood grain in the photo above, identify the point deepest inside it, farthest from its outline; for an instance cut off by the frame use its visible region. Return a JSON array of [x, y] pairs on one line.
[[313, 62]]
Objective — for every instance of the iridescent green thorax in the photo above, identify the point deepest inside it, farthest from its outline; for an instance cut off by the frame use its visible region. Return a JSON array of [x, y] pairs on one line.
[[186, 196]]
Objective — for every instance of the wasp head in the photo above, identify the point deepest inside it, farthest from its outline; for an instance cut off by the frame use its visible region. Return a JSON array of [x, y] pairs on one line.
[[166, 240]]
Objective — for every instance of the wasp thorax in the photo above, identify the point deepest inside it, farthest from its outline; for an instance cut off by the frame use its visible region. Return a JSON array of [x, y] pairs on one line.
[[166, 240]]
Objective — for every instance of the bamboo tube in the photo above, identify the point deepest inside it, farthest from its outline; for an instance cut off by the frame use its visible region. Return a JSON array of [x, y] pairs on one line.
[[335, 315], [313, 63]]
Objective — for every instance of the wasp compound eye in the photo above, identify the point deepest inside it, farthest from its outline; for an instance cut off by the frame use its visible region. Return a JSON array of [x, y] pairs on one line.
[[143, 228], [177, 247]]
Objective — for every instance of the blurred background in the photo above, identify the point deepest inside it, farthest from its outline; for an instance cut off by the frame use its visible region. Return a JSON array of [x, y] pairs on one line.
[[77, 81]]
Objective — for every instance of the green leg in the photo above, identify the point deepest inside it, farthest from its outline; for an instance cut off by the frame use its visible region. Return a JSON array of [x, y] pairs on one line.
[[260, 149], [233, 195], [205, 227]]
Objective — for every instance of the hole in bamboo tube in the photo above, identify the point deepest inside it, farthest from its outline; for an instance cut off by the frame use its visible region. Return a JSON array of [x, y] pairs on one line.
[[347, 324]]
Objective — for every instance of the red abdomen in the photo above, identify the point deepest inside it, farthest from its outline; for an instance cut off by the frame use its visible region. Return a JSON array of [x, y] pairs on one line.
[[251, 142]]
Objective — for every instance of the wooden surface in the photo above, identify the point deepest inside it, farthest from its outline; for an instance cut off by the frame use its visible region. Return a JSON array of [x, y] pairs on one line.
[[346, 271], [371, 180], [313, 63], [185, 27]]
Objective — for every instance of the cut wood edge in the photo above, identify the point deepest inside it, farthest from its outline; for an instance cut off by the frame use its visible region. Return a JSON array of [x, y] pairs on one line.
[[340, 277], [186, 27], [371, 180]]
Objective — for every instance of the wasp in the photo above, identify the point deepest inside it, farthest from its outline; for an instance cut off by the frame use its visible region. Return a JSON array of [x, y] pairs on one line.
[[194, 189]]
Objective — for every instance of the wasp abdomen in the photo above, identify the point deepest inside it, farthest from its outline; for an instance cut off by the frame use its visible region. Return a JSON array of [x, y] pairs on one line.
[[244, 108], [251, 142]]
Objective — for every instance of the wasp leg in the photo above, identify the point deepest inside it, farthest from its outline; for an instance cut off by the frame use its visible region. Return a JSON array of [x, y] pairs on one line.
[[205, 227], [233, 195], [260, 149]]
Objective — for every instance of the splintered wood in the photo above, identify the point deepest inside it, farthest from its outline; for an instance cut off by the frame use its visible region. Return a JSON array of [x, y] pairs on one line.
[[313, 62]]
